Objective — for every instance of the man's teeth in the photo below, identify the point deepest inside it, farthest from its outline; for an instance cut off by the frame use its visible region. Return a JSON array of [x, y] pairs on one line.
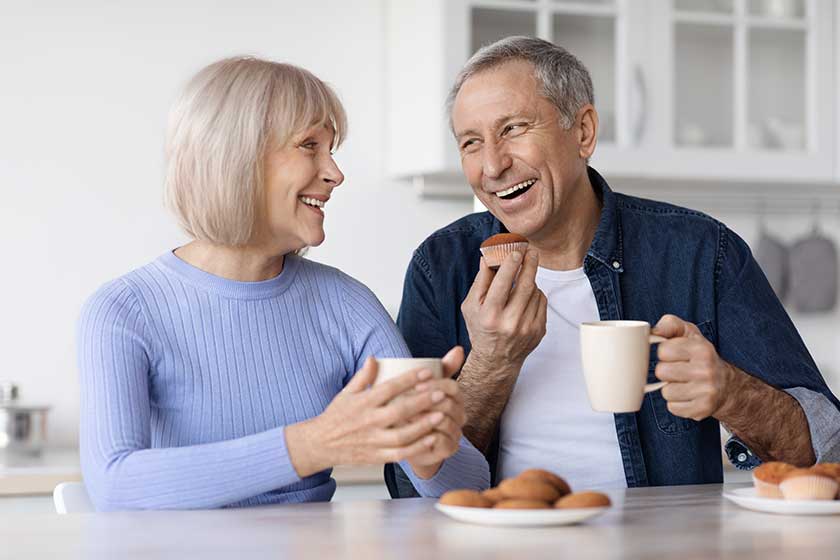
[[312, 202], [514, 188]]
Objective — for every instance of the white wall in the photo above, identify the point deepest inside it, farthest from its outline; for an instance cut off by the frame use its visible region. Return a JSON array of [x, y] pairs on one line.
[[84, 92]]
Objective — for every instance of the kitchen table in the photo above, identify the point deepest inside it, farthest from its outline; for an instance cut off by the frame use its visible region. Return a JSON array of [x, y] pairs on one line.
[[680, 522]]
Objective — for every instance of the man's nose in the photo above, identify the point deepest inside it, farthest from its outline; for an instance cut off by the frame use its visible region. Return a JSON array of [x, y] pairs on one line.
[[496, 161]]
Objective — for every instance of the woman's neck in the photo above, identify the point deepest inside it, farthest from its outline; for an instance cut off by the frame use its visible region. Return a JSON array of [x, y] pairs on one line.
[[243, 264]]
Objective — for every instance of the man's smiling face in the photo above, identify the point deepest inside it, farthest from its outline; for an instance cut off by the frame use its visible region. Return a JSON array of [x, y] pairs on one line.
[[520, 161]]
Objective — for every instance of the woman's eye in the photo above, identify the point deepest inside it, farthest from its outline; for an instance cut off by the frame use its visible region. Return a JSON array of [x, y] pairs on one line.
[[309, 145]]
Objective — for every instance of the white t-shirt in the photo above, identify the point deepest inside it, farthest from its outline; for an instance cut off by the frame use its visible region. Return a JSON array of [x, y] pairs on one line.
[[548, 422]]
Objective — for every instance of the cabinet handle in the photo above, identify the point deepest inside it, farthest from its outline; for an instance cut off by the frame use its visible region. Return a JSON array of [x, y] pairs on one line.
[[641, 114]]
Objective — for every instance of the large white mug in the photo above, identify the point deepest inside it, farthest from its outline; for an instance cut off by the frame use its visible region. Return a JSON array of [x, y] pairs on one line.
[[615, 357], [389, 368]]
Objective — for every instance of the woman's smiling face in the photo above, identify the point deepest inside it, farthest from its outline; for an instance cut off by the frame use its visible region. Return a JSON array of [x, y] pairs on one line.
[[299, 178]]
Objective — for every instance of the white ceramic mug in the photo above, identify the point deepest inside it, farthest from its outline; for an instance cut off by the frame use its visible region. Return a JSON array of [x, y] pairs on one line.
[[389, 368], [615, 357]]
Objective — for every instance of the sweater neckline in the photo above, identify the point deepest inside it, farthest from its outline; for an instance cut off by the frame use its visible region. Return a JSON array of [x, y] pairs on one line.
[[232, 288]]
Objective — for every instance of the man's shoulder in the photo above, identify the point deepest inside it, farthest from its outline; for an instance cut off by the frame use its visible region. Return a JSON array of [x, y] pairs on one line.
[[658, 213], [463, 236]]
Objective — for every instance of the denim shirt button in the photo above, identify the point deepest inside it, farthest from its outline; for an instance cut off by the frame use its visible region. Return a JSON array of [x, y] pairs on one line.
[[616, 264]]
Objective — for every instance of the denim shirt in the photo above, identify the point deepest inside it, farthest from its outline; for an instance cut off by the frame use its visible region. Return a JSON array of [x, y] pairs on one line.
[[647, 259]]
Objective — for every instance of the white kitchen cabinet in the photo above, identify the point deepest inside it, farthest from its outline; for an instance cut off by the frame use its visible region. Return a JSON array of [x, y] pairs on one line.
[[732, 90]]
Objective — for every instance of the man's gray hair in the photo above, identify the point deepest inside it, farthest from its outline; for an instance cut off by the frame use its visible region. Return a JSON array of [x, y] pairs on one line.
[[563, 79]]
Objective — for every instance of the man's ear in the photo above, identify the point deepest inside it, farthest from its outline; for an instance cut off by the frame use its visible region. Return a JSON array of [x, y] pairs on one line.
[[586, 125]]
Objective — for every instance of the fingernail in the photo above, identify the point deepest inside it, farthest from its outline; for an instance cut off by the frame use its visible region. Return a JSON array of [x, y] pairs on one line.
[[421, 387], [516, 256], [430, 440], [435, 417], [424, 374], [438, 396]]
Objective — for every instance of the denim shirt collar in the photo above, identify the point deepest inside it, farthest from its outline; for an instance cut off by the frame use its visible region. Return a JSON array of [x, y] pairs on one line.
[[607, 246]]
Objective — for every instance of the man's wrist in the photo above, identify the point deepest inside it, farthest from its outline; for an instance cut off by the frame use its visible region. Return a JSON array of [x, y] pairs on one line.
[[733, 382]]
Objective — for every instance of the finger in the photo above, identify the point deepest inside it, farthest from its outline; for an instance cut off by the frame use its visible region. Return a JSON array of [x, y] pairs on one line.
[[453, 410], [482, 282], [674, 372], [531, 312], [363, 378], [542, 311], [681, 392], [671, 326], [497, 294], [453, 361], [526, 281], [449, 386], [397, 454], [407, 407], [411, 432], [675, 350], [383, 393], [688, 410], [449, 428], [442, 447]]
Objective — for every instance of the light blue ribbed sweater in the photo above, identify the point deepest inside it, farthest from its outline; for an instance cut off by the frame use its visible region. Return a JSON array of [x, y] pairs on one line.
[[188, 380]]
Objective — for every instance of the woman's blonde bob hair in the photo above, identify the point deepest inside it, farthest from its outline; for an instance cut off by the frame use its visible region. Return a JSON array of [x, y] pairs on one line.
[[218, 133]]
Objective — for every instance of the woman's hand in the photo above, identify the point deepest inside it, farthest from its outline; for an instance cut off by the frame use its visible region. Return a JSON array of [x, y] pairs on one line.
[[362, 427], [447, 434]]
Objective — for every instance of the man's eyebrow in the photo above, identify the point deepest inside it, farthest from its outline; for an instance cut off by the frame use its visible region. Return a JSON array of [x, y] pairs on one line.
[[496, 124]]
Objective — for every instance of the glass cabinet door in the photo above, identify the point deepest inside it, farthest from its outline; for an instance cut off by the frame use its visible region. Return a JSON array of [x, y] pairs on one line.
[[740, 74]]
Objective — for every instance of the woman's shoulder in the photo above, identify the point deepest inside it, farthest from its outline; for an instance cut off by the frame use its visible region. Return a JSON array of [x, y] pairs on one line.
[[120, 295], [330, 278]]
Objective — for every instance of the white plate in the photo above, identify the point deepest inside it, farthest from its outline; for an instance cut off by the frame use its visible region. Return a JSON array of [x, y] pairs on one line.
[[746, 497], [520, 517]]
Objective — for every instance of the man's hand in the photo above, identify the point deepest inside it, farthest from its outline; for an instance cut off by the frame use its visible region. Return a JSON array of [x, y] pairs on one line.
[[505, 311], [697, 377], [505, 314], [702, 384]]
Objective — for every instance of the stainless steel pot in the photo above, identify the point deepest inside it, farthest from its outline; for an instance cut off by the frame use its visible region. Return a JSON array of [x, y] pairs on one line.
[[23, 427]]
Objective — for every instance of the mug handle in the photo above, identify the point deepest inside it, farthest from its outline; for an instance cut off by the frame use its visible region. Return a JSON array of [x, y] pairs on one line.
[[650, 387]]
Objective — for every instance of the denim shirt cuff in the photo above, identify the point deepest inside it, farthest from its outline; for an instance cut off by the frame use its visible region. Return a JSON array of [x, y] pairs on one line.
[[823, 421]]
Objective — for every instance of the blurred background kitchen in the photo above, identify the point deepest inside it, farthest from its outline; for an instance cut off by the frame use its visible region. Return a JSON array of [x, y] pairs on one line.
[[726, 106]]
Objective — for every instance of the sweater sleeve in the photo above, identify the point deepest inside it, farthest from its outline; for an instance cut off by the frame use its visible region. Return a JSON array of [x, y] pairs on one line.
[[121, 470], [377, 335]]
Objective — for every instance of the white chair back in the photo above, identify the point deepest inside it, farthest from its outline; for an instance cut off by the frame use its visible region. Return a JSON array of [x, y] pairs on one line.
[[71, 497]]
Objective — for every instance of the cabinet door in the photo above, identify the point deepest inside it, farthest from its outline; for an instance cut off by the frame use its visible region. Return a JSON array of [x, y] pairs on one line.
[[751, 87]]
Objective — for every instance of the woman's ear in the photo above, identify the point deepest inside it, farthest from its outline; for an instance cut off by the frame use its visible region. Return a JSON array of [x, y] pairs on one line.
[[587, 130]]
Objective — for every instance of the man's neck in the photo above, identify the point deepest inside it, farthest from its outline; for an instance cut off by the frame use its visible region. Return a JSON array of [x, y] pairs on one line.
[[567, 238]]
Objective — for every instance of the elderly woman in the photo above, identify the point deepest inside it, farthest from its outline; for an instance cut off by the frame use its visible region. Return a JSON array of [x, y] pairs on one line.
[[232, 371]]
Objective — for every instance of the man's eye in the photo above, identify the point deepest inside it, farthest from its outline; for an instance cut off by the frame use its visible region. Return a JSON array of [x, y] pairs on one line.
[[468, 144], [511, 127]]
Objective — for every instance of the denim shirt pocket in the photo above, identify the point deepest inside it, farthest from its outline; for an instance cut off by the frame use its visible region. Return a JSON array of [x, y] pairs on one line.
[[666, 422]]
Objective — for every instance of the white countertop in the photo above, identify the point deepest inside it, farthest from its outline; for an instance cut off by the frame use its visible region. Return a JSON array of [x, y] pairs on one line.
[[679, 522], [28, 475]]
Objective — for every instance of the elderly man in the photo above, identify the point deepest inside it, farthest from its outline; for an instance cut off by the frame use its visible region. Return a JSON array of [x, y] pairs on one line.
[[523, 117]]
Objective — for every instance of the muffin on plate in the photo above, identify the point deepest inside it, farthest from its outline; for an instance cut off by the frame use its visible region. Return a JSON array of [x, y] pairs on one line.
[[547, 476], [496, 248], [465, 498], [522, 504], [809, 484], [766, 478], [583, 500], [525, 489]]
